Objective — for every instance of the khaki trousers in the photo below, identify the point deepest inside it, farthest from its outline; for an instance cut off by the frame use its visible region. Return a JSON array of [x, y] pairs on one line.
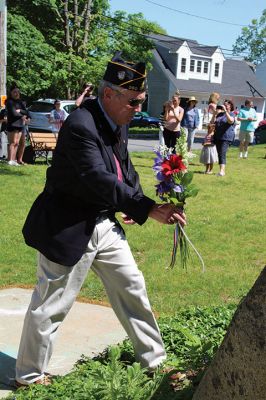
[[109, 256]]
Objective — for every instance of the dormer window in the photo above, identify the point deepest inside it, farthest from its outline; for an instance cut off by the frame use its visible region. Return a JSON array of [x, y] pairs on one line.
[[206, 67], [216, 69], [192, 66], [183, 64], [199, 64]]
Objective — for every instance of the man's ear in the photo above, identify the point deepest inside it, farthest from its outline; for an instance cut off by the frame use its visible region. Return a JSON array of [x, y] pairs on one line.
[[108, 93]]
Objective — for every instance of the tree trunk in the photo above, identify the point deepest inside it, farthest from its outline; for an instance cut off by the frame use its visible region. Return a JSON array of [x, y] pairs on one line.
[[238, 370]]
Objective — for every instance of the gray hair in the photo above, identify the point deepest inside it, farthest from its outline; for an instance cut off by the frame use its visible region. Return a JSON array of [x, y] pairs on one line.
[[104, 84]]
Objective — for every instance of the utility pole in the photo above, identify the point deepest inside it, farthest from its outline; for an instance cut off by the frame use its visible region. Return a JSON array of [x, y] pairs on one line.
[[3, 22]]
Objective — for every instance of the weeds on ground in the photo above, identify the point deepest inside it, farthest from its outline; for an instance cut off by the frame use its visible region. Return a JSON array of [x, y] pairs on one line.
[[191, 338]]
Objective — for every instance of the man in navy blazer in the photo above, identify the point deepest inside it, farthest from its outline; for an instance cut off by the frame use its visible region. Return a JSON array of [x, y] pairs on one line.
[[72, 224]]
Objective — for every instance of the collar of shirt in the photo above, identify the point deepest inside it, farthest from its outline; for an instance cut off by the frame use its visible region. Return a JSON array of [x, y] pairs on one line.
[[110, 121]]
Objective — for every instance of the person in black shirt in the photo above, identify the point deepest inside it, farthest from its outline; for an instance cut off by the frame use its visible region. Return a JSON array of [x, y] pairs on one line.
[[17, 118]]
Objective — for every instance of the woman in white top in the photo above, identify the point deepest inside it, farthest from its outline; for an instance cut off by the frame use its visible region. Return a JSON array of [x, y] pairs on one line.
[[57, 116], [173, 115]]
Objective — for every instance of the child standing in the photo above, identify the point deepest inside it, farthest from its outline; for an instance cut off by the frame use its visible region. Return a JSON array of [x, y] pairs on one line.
[[208, 155]]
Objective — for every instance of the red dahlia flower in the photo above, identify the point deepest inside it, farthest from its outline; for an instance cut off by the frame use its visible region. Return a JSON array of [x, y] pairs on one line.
[[173, 165]]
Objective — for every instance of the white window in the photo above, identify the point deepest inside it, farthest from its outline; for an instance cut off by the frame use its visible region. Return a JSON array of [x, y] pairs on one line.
[[183, 64], [216, 69], [199, 64], [206, 67], [192, 65]]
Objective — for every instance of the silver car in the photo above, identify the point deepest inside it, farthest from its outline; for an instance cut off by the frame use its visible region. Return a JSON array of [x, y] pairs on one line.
[[40, 110]]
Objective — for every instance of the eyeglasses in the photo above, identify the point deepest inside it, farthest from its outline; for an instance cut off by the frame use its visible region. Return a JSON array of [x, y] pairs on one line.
[[132, 102], [135, 102]]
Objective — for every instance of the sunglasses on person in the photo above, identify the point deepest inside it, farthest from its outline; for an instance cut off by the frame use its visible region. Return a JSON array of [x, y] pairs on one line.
[[135, 102], [132, 102]]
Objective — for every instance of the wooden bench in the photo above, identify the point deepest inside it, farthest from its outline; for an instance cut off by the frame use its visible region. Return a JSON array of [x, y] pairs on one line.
[[42, 143]]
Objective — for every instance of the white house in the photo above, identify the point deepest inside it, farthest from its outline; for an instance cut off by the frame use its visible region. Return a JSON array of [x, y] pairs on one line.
[[261, 73], [196, 70]]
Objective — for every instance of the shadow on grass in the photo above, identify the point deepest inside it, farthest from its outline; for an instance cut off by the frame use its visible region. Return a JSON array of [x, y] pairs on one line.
[[143, 166], [199, 172], [7, 170]]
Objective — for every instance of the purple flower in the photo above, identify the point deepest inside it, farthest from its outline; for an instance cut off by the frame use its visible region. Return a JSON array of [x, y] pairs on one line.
[[158, 154], [161, 177], [157, 167], [157, 163], [178, 188], [163, 188]]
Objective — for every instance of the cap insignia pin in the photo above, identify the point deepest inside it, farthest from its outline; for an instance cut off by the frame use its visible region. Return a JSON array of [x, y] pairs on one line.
[[121, 75]]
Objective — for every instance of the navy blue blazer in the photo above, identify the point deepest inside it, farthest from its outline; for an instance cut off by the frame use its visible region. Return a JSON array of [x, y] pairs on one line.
[[82, 184]]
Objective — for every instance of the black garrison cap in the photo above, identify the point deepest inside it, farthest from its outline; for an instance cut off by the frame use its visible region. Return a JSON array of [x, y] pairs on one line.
[[125, 74]]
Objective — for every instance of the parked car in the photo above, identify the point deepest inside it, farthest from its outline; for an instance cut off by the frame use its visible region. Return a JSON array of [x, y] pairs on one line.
[[40, 110], [143, 120], [260, 132]]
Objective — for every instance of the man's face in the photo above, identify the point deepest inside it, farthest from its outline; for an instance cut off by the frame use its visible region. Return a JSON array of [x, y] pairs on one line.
[[121, 105]]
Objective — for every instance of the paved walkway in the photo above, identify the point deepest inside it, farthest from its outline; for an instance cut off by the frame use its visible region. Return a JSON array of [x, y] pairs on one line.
[[88, 329]]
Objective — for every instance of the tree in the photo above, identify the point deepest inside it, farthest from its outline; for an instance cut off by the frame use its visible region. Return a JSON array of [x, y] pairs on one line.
[[253, 40], [83, 36], [129, 35], [67, 26], [238, 370], [29, 61]]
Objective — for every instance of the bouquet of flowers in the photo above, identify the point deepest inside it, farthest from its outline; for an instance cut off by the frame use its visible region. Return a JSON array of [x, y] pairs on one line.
[[175, 186]]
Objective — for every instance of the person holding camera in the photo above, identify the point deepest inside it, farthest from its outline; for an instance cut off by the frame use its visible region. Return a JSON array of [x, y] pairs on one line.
[[87, 90], [224, 120], [173, 115]]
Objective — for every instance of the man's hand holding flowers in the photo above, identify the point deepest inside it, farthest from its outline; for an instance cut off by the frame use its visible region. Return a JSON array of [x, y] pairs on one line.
[[167, 214]]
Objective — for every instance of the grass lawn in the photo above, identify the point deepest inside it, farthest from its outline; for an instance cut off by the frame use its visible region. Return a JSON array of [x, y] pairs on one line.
[[225, 222]]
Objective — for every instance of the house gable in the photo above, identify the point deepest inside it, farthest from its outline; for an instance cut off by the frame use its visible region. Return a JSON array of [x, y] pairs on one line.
[[173, 70], [188, 60]]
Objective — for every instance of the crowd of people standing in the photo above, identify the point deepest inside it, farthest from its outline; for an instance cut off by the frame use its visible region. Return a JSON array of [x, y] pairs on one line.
[[220, 119]]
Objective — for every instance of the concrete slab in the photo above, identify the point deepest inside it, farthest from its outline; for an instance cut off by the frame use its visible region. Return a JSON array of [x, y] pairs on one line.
[[88, 329]]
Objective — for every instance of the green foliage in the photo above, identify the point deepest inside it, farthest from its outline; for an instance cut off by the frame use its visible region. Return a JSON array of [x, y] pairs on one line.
[[253, 40], [103, 379], [191, 338], [191, 190], [193, 335], [128, 31], [144, 131], [63, 44], [30, 58]]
